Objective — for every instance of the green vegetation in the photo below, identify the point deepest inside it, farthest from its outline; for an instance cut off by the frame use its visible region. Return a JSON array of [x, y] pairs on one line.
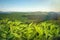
[[20, 28]]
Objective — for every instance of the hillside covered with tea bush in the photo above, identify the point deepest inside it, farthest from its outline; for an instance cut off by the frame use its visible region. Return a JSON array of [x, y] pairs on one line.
[[29, 26]]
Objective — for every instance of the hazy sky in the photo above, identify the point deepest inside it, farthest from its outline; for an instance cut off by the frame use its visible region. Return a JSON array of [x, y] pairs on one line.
[[29, 5]]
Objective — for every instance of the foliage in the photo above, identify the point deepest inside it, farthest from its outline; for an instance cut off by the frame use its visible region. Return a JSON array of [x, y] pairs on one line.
[[17, 30]]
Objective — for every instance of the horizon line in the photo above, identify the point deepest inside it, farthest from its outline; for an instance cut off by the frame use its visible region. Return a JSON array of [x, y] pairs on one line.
[[29, 11]]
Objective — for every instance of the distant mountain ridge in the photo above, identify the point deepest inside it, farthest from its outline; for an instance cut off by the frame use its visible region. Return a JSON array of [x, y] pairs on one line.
[[36, 16]]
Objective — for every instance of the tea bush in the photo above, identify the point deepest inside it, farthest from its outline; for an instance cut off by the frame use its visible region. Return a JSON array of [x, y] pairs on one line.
[[17, 30]]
